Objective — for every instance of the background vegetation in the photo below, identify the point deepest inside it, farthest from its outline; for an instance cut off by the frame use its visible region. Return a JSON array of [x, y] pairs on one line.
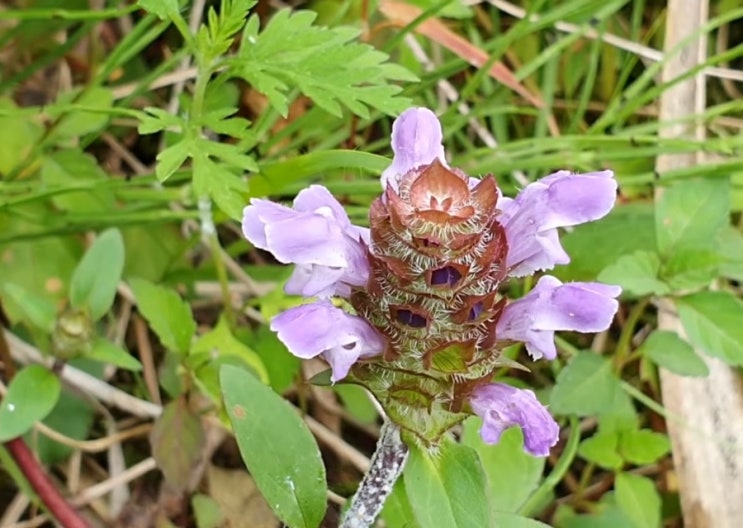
[[131, 136]]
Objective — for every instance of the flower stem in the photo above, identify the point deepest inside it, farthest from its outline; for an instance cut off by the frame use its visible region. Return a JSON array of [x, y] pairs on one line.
[[60, 509], [387, 464]]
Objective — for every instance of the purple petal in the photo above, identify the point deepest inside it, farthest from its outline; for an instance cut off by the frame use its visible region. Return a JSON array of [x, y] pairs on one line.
[[317, 198], [307, 239], [416, 141], [559, 200], [257, 215], [501, 406], [311, 280], [323, 329], [316, 235], [551, 306]]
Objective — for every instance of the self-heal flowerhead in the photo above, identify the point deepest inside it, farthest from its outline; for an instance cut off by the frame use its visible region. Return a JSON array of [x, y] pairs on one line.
[[429, 322]]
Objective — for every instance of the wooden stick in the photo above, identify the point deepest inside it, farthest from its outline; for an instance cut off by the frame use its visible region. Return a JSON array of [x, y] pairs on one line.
[[711, 480]]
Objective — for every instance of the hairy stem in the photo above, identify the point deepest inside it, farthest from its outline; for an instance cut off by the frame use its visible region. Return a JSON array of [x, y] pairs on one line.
[[58, 507], [386, 466]]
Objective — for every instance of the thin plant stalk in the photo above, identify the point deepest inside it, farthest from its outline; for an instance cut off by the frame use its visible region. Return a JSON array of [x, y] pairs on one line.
[[387, 464], [49, 495]]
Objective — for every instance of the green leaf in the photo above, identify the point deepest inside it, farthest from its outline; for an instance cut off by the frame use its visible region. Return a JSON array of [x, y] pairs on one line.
[[585, 386], [31, 395], [637, 274], [278, 449], [690, 214], [276, 175], [18, 135], [668, 350], [37, 310], [216, 38], [171, 159], [220, 342], [75, 122], [72, 417], [512, 474], [691, 268], [622, 416], [224, 187], [512, 520], [608, 516], [107, 352], [730, 248], [282, 366], [155, 119], [326, 64], [643, 447], [638, 499], [178, 439], [356, 400], [169, 316], [465, 483], [207, 512], [94, 281], [601, 449], [449, 489], [397, 512], [595, 245], [162, 8], [70, 169], [712, 321]]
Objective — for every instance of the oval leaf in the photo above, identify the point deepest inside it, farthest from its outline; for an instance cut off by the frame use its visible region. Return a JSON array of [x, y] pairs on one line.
[[666, 349], [107, 352], [177, 439], [448, 490], [277, 447], [512, 474], [95, 278], [638, 499], [169, 316], [31, 396], [712, 322], [585, 386]]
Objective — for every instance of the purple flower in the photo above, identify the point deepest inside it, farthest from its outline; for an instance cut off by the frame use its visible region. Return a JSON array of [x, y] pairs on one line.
[[416, 141], [317, 236], [501, 406], [559, 200], [551, 306], [322, 329]]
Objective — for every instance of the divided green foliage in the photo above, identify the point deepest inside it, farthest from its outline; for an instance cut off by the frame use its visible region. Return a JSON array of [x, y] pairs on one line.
[[215, 37], [325, 64]]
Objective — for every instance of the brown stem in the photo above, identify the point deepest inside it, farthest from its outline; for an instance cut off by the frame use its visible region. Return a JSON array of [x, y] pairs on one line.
[[42, 484], [49, 495]]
